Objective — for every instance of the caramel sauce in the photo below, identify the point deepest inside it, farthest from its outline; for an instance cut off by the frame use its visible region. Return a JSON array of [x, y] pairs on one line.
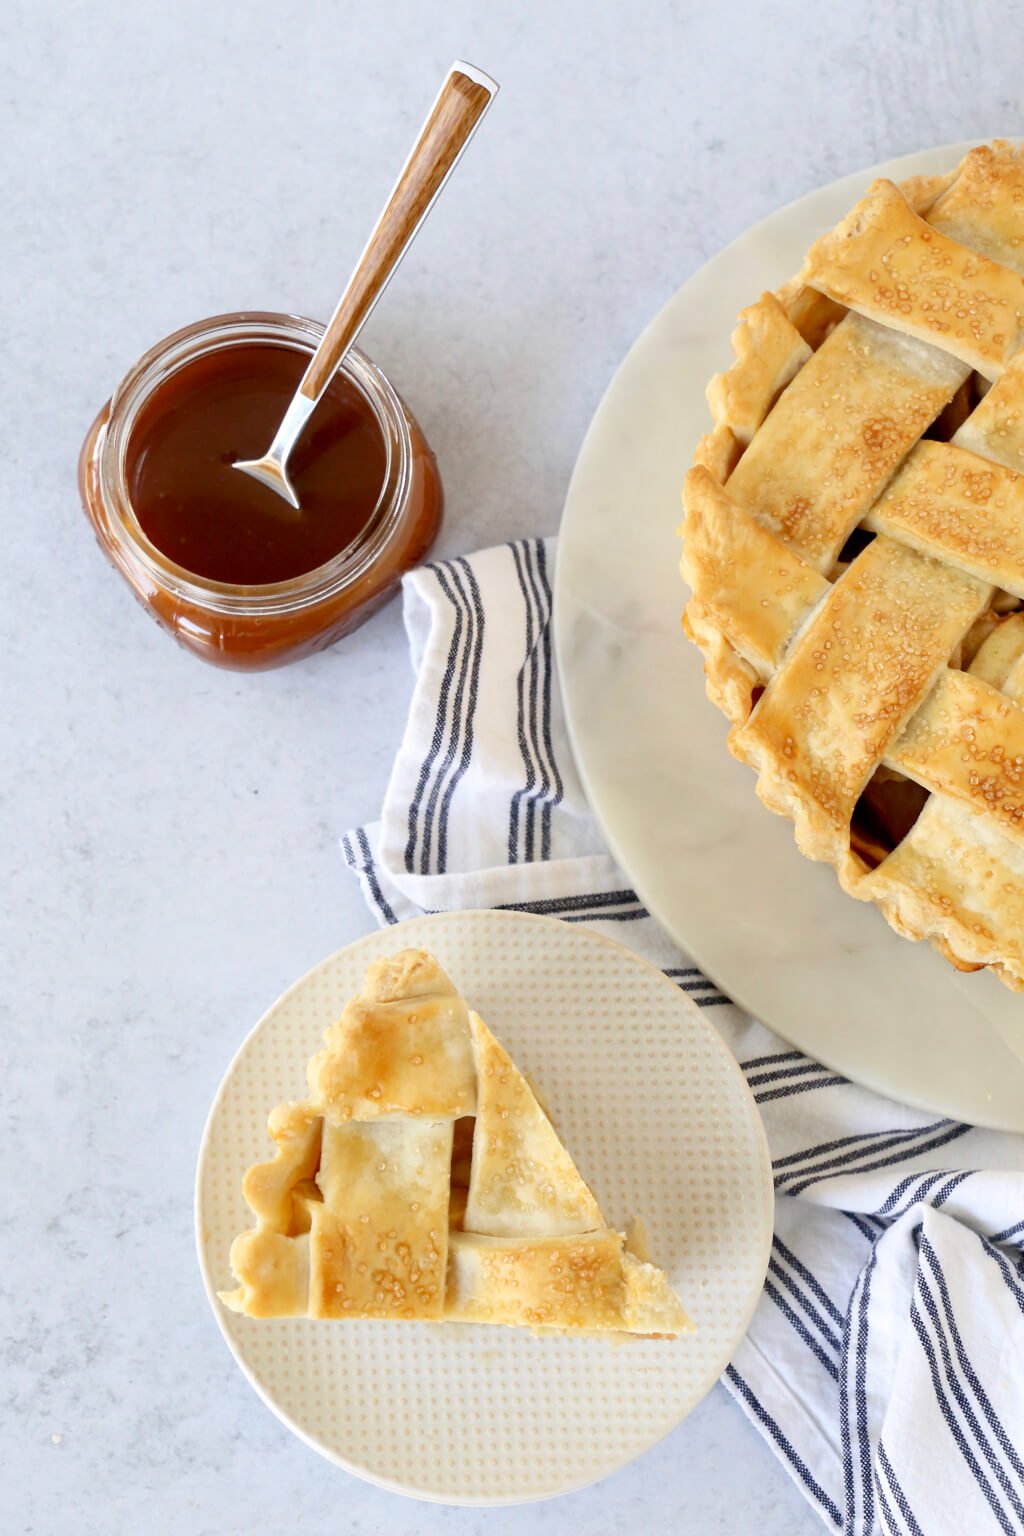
[[223, 525], [182, 502]]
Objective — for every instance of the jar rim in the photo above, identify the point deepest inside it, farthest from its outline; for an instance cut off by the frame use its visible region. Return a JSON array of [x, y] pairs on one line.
[[199, 339]]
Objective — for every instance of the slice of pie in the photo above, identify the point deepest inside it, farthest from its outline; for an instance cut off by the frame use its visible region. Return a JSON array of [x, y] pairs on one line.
[[854, 544], [421, 1179]]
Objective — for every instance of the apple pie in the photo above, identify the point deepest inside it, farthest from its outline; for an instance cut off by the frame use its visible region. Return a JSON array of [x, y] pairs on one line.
[[854, 543], [421, 1179]]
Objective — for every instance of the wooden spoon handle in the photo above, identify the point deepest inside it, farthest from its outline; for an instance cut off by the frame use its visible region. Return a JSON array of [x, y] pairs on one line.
[[463, 99]]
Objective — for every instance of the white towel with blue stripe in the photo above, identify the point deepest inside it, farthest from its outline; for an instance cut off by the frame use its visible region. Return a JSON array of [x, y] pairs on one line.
[[885, 1362]]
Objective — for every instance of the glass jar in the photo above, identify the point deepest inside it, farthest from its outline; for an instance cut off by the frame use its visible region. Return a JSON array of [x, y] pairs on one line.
[[254, 627]]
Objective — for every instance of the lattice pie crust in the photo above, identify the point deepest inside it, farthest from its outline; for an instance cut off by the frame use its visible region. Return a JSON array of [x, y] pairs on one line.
[[421, 1180], [854, 543]]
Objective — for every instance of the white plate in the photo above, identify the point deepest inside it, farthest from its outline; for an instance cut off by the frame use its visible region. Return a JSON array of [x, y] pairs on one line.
[[722, 874], [657, 1114]]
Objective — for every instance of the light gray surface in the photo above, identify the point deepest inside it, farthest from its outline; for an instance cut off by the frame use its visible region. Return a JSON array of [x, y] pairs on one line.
[[168, 831]]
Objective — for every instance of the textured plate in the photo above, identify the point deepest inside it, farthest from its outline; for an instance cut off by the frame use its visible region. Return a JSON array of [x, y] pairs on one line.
[[721, 873], [658, 1116]]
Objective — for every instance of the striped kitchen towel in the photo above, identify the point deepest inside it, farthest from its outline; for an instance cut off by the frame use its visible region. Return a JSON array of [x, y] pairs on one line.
[[885, 1362]]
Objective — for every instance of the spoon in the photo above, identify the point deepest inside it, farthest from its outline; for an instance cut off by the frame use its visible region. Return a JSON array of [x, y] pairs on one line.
[[453, 119]]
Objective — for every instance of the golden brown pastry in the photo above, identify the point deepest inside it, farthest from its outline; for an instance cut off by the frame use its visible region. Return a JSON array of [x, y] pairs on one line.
[[854, 544], [422, 1180]]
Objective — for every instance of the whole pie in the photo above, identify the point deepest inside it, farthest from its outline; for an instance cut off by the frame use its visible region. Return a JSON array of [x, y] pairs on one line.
[[854, 544], [421, 1179]]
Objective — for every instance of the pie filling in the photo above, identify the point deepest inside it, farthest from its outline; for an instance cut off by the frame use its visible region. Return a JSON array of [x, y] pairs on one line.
[[884, 814]]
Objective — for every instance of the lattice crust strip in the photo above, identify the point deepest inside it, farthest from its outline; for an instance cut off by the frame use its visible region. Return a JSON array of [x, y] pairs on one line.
[[844, 565], [887, 263]]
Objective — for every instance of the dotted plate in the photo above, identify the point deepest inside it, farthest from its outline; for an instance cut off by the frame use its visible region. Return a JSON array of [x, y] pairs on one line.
[[659, 1119]]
